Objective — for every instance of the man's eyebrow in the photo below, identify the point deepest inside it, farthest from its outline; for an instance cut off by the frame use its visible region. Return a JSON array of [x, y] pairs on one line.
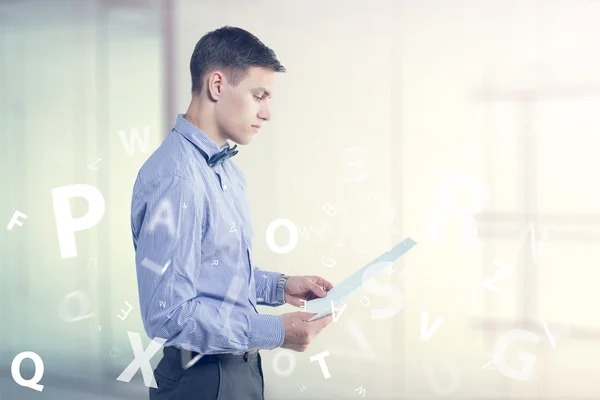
[[262, 89]]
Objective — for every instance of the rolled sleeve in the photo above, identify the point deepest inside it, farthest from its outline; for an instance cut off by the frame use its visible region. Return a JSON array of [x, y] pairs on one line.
[[266, 287]]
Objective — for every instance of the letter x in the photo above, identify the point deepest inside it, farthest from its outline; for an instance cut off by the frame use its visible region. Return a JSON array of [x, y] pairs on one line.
[[142, 359]]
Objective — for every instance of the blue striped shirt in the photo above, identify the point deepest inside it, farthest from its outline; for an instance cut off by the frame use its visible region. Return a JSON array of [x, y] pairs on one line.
[[192, 236]]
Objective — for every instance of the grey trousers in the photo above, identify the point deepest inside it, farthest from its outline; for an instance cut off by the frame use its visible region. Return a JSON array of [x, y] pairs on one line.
[[212, 377]]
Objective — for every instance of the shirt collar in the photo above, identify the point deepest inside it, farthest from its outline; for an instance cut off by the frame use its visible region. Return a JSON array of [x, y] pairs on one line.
[[197, 137]]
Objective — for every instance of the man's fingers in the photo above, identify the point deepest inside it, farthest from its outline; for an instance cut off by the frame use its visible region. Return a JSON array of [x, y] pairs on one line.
[[326, 284], [322, 282]]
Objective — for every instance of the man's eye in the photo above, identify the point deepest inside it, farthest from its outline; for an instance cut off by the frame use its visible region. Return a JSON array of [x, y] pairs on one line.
[[259, 97]]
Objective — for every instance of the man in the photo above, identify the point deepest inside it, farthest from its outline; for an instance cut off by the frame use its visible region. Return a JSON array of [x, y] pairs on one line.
[[192, 233]]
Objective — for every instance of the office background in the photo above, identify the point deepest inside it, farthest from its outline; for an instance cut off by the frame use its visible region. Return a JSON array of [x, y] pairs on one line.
[[470, 126]]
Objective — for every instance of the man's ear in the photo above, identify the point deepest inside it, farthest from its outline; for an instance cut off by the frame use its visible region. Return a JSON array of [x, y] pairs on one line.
[[215, 85]]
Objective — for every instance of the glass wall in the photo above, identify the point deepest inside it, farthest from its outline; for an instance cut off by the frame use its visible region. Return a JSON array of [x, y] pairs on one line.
[[80, 81]]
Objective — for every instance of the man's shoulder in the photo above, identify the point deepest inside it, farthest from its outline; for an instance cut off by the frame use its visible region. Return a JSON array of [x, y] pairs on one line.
[[170, 160]]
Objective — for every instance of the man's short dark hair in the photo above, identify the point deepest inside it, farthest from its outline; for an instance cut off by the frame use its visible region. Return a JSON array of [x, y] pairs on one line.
[[232, 50]]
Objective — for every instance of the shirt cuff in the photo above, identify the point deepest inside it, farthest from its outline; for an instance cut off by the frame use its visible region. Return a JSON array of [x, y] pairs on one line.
[[266, 331], [266, 287]]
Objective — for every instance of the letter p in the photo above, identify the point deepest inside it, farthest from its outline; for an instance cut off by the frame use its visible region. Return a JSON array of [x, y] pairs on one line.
[[66, 225]]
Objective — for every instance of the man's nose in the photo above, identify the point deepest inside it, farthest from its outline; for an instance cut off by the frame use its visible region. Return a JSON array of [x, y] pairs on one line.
[[265, 113]]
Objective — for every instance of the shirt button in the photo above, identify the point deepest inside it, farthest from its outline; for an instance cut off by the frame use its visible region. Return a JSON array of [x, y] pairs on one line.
[[224, 187]]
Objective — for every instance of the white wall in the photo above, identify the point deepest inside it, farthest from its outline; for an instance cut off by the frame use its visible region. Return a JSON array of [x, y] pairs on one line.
[[402, 81]]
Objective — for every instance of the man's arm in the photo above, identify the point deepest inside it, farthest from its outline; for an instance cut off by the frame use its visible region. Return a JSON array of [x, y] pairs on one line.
[[167, 222], [267, 288]]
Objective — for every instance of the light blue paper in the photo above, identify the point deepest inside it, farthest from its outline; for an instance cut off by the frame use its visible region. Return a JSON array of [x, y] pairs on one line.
[[352, 283]]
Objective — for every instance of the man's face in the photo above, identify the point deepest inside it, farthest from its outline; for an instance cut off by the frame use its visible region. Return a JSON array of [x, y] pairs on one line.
[[240, 110]]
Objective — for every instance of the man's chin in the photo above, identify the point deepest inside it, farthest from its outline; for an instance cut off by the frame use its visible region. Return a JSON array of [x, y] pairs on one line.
[[243, 140]]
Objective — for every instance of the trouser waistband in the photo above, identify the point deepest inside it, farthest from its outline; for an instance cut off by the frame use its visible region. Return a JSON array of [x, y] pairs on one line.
[[178, 352]]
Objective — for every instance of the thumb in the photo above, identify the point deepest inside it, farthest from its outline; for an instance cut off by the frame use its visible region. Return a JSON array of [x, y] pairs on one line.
[[305, 316], [317, 290], [325, 321]]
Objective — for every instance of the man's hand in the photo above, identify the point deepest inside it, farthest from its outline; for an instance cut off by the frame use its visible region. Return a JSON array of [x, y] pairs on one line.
[[306, 288], [299, 332]]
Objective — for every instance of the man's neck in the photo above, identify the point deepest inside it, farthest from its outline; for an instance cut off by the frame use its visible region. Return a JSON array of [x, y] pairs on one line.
[[197, 116]]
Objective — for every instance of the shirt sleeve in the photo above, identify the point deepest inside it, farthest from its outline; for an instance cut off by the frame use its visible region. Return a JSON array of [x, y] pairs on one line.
[[266, 288], [168, 251]]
